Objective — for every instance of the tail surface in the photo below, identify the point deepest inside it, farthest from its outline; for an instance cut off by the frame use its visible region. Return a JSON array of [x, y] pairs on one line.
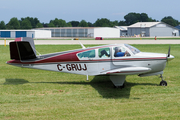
[[22, 49]]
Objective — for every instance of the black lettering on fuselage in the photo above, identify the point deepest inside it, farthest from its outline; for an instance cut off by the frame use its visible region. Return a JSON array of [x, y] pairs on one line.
[[68, 66], [85, 68], [79, 67], [59, 67], [72, 67]]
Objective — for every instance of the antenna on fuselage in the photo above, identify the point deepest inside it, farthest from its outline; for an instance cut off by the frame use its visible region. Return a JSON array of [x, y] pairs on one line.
[[35, 50], [83, 47]]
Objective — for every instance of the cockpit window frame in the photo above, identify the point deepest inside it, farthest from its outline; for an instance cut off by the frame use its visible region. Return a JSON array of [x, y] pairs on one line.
[[132, 49]]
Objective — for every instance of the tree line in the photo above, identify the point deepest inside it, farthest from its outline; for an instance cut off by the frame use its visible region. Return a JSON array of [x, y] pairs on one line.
[[130, 18]]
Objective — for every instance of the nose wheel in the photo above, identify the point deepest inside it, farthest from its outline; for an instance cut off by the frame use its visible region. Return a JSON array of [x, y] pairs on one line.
[[163, 82]]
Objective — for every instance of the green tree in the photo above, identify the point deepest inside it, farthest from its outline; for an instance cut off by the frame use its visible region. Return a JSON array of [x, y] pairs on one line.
[[74, 23], [69, 24], [114, 23], [33, 22], [131, 18], [62, 23], [103, 22], [13, 23], [83, 23], [39, 25], [54, 22], [2, 25], [90, 24], [144, 17], [170, 20], [44, 24], [59, 22], [122, 23], [51, 24], [26, 24], [152, 20]]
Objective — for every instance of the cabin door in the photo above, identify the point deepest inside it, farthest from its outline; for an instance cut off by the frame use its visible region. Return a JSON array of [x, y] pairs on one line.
[[119, 55]]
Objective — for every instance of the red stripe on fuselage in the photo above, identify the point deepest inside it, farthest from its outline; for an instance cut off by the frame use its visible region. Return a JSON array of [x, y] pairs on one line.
[[66, 57], [71, 57]]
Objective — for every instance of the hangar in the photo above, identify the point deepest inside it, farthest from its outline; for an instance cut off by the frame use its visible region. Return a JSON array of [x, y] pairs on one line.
[[178, 27], [145, 29], [105, 32], [151, 29], [25, 33], [123, 30]]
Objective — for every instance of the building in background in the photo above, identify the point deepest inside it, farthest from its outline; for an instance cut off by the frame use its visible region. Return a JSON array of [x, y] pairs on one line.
[[123, 30], [106, 32], [143, 29], [178, 27], [92, 32], [151, 29], [70, 31], [25, 33]]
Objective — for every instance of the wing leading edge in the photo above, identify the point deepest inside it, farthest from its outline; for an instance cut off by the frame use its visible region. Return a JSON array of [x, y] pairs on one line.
[[127, 71]]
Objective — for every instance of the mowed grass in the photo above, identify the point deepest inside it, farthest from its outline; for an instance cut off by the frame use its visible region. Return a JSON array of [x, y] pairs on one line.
[[36, 94]]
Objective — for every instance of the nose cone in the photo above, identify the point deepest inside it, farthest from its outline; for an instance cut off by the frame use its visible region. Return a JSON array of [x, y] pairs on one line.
[[170, 58]]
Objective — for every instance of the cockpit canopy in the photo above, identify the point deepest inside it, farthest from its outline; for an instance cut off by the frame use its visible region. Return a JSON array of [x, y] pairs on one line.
[[111, 51]]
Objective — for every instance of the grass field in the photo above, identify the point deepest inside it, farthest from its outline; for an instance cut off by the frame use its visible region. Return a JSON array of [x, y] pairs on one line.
[[36, 94]]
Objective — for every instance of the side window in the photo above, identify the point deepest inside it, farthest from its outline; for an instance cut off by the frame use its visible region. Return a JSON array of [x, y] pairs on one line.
[[120, 51], [87, 54], [104, 53]]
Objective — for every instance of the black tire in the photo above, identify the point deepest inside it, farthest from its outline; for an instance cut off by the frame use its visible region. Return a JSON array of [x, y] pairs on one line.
[[163, 83], [121, 87]]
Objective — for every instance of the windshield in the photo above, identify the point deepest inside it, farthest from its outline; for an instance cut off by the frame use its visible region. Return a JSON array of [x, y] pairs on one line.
[[133, 49]]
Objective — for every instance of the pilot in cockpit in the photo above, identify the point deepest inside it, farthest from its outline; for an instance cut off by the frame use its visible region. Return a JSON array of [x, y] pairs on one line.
[[119, 53]]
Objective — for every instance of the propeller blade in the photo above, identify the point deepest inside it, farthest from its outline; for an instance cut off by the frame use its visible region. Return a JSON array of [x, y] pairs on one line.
[[169, 51], [168, 55]]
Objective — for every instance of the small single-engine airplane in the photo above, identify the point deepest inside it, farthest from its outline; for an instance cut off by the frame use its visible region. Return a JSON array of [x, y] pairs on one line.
[[116, 60]]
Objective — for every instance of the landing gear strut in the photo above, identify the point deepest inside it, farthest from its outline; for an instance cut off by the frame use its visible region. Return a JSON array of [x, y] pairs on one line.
[[118, 80], [163, 82]]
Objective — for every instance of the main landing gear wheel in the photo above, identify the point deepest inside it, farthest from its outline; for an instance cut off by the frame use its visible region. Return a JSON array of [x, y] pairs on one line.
[[163, 82], [121, 87]]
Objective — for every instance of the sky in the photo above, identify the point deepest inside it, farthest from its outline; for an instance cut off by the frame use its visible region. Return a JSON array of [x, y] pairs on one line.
[[88, 10]]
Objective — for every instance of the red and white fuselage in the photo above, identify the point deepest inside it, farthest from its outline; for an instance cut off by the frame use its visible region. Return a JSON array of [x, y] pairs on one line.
[[99, 60]]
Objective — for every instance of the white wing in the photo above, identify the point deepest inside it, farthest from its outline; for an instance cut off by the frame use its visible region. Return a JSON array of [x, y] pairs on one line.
[[127, 71]]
